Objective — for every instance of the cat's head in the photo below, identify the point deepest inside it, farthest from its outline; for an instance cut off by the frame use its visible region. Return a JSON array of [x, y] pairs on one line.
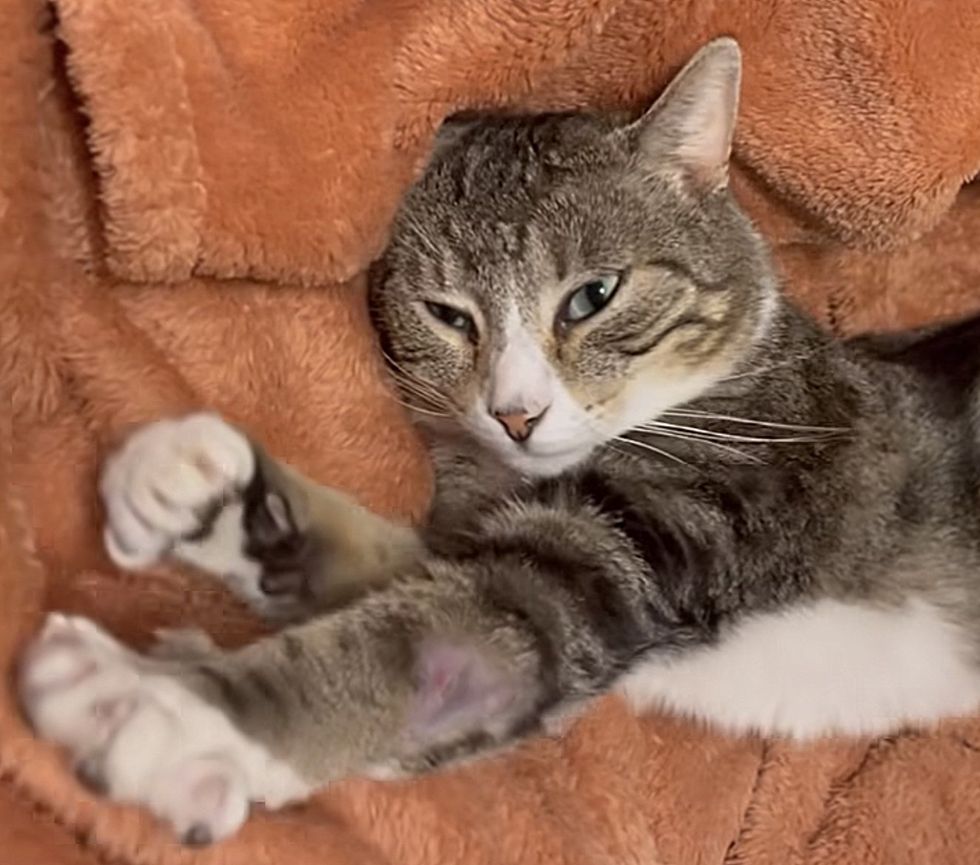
[[553, 281]]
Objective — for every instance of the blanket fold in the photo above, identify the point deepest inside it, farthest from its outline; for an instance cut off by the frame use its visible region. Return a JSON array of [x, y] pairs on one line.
[[166, 155], [273, 140]]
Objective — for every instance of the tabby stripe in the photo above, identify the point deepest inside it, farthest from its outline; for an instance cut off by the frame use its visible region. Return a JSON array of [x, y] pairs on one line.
[[227, 690], [296, 652], [502, 598], [260, 682], [680, 566], [648, 346], [440, 755], [597, 599]]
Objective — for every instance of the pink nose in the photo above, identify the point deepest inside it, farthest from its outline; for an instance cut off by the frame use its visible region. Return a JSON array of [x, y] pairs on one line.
[[518, 424]]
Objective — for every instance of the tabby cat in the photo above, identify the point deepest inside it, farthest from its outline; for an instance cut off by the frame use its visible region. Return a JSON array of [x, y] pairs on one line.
[[654, 474]]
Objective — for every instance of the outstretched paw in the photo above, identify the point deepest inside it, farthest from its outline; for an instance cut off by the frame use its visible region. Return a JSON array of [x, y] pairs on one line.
[[169, 483], [138, 734], [192, 489]]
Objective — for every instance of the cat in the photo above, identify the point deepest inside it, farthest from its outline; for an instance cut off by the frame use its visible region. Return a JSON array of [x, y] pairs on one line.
[[654, 474]]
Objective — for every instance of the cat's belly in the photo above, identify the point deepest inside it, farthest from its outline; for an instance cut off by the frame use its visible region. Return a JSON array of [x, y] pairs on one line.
[[821, 669]]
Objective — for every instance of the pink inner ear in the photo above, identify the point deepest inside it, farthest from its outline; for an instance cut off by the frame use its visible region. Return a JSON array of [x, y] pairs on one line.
[[458, 690]]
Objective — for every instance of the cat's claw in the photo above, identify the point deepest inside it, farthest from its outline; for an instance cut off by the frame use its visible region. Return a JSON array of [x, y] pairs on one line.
[[167, 481], [136, 734]]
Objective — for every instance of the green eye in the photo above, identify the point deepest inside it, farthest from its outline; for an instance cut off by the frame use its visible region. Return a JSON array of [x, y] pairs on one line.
[[455, 318], [586, 300]]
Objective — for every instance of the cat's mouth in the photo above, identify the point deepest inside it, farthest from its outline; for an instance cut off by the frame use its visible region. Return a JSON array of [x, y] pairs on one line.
[[563, 439], [550, 451], [547, 459]]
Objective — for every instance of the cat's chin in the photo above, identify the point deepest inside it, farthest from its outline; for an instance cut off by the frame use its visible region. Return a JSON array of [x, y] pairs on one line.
[[546, 463], [546, 456]]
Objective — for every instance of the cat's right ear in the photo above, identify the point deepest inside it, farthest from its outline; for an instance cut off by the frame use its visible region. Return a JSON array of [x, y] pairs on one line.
[[688, 132]]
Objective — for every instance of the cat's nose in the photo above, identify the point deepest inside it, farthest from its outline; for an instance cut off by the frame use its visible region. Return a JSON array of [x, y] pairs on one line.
[[518, 424]]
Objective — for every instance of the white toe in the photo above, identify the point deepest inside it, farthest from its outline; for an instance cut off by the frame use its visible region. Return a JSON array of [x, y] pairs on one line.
[[205, 798], [142, 736], [159, 485]]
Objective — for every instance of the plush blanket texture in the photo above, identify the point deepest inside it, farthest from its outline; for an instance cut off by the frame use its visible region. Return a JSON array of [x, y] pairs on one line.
[[189, 193]]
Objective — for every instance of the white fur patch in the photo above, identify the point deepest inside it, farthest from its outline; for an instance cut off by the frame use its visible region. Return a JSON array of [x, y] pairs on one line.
[[222, 553], [820, 669], [523, 378], [159, 484], [156, 486], [154, 742]]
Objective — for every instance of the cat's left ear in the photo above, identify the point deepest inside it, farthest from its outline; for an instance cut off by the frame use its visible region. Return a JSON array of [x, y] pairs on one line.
[[688, 131]]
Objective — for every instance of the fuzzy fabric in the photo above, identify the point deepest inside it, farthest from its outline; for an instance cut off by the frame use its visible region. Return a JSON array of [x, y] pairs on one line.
[[184, 217], [273, 139]]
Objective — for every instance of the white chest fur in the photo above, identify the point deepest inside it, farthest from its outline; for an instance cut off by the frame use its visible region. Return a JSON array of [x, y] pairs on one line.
[[820, 669]]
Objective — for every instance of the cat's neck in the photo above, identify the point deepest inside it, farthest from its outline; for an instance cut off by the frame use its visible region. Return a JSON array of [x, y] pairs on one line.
[[795, 373]]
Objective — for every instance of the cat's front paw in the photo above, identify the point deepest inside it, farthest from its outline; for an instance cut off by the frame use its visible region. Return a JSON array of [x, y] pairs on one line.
[[138, 734], [190, 489], [169, 483]]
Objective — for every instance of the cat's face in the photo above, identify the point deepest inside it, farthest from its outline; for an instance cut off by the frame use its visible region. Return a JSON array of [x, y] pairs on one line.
[[554, 281]]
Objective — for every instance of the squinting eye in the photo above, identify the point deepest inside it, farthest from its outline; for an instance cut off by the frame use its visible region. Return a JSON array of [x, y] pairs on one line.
[[589, 298], [455, 318]]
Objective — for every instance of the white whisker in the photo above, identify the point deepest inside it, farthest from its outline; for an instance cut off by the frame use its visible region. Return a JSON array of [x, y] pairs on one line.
[[706, 434], [695, 439], [759, 370], [419, 232], [425, 411], [649, 447], [416, 386], [707, 415], [409, 389]]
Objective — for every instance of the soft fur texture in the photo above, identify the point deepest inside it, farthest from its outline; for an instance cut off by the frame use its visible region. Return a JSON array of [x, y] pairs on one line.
[[83, 357], [652, 472]]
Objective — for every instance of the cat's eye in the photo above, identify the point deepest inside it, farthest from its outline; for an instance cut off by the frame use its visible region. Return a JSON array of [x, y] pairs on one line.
[[455, 318], [586, 300]]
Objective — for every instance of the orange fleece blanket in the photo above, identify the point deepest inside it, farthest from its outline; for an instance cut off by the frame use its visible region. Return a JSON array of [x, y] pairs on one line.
[[189, 192]]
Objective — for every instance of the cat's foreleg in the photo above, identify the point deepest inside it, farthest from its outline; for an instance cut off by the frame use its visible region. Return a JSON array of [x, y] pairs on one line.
[[462, 655], [465, 657], [195, 489], [389, 686]]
